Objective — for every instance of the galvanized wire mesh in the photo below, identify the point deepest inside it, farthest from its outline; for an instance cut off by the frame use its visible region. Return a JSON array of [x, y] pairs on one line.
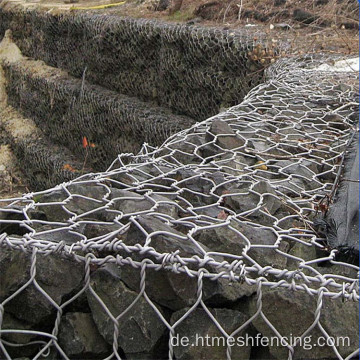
[[122, 81], [219, 219], [192, 70]]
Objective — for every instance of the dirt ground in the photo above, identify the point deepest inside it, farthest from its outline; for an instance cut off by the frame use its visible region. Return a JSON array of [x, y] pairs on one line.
[[328, 26], [325, 26]]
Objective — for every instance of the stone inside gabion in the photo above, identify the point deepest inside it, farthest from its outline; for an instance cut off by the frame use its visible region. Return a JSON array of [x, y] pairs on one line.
[[179, 74], [193, 70], [209, 234]]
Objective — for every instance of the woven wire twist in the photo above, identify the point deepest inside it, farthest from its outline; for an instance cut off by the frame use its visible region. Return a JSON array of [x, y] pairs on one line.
[[280, 153]]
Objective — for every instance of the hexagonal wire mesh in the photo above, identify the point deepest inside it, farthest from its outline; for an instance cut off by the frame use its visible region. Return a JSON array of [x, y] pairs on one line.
[[216, 222]]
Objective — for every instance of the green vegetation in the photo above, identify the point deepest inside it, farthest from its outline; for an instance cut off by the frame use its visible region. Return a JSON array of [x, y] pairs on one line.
[[181, 15]]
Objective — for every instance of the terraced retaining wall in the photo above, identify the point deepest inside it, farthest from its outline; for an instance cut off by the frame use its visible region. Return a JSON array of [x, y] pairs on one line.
[[192, 70], [210, 235], [118, 82], [66, 110]]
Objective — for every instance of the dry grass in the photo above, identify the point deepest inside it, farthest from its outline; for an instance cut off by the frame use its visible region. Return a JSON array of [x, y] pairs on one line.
[[332, 29], [334, 12]]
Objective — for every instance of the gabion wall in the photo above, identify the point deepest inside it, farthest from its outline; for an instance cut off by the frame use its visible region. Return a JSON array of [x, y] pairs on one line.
[[67, 110], [211, 234], [193, 70]]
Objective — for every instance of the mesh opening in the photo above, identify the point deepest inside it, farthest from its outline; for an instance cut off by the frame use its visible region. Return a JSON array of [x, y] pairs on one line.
[[210, 233]]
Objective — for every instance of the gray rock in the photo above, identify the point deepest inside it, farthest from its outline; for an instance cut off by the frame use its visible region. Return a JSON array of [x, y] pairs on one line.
[[96, 230], [15, 212], [139, 329], [244, 200], [205, 341], [271, 201], [308, 253], [224, 239], [139, 356], [54, 212], [336, 121], [146, 356], [163, 5], [304, 17], [305, 168], [171, 289], [325, 173], [12, 323], [211, 211], [236, 166], [122, 179], [128, 202], [293, 187], [210, 151], [301, 172], [293, 312], [196, 189], [168, 288], [94, 198], [283, 26], [185, 151], [169, 240], [14, 269], [302, 251], [261, 353], [259, 145], [177, 290], [78, 336], [57, 276], [57, 235], [226, 136]]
